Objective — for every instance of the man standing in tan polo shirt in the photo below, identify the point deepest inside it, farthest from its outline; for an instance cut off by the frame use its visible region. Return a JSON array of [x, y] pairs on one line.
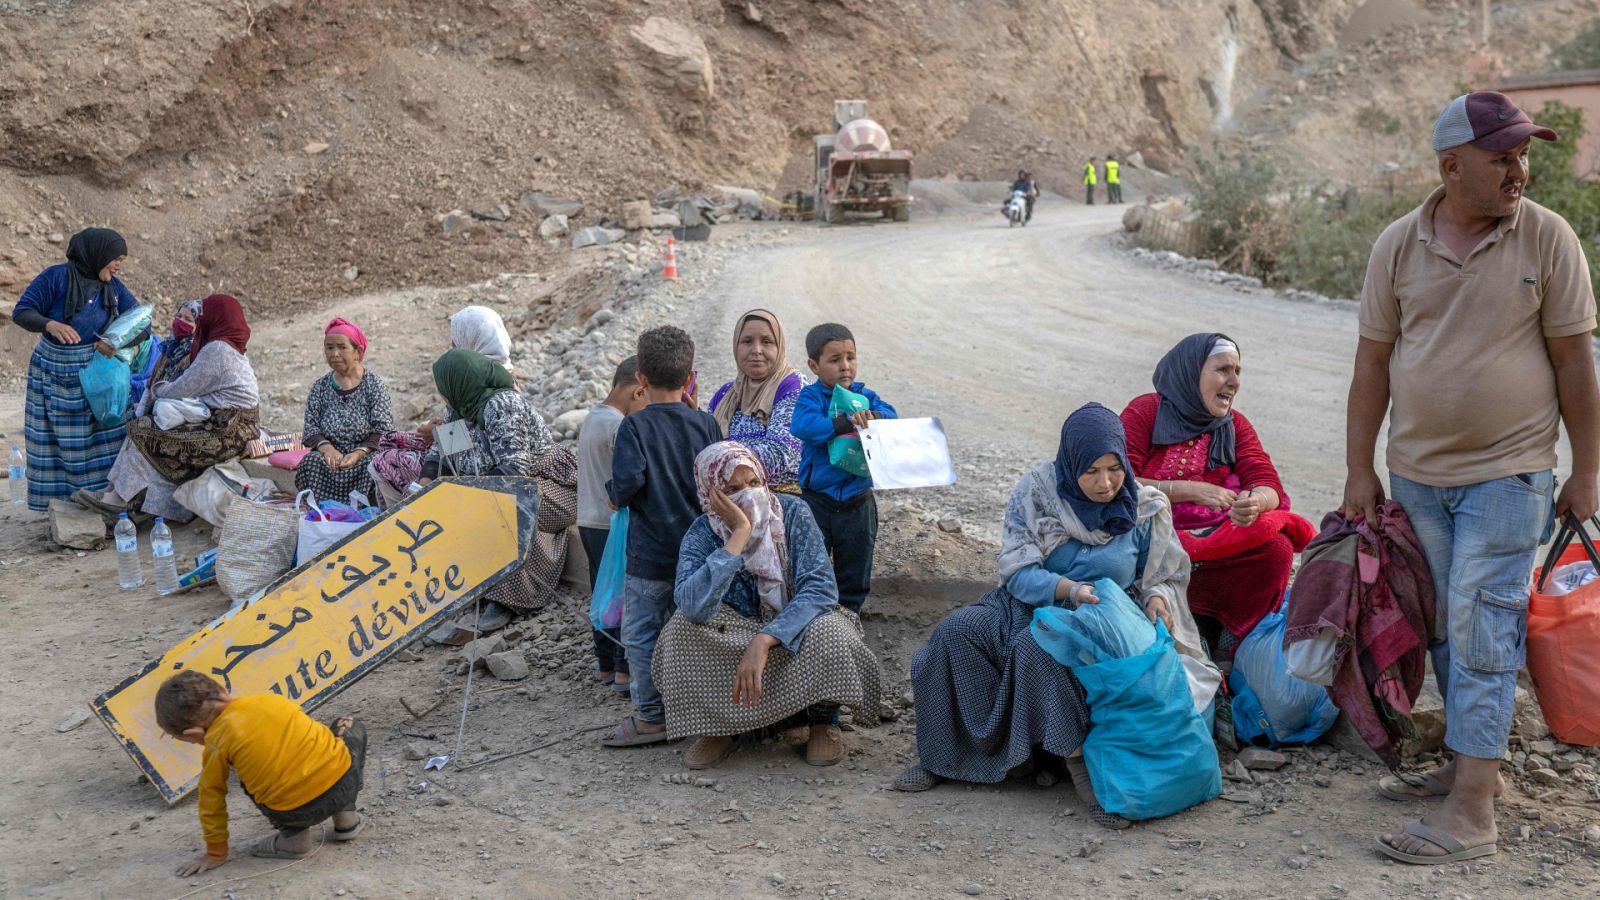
[[1476, 323]]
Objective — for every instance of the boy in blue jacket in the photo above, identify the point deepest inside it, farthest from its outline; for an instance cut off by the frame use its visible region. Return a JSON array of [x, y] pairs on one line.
[[841, 502]]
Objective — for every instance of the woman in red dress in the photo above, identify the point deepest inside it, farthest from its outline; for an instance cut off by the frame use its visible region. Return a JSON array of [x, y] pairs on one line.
[[1228, 503]]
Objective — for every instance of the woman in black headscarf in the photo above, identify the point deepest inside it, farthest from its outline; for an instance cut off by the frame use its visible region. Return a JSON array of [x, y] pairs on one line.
[[987, 694], [68, 305], [1228, 503]]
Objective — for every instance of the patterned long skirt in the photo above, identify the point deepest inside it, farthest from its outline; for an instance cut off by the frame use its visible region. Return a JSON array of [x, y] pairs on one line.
[[314, 475], [155, 463], [694, 667], [532, 586], [987, 694], [67, 449]]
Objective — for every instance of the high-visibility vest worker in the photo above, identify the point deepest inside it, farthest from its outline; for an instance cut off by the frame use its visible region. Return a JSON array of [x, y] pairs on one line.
[[1111, 172], [1088, 172]]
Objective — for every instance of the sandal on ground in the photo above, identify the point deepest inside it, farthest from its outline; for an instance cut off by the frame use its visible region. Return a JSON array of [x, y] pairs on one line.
[[825, 746], [1455, 851], [628, 734], [91, 501], [1428, 784], [915, 779], [606, 678], [267, 848], [349, 834], [1080, 783], [708, 750]]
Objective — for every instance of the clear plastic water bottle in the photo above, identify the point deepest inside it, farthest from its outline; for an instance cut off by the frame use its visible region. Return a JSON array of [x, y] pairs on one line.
[[162, 558], [19, 475], [130, 574]]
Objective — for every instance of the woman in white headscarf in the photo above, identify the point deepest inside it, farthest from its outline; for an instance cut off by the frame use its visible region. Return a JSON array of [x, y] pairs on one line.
[[398, 461], [481, 329]]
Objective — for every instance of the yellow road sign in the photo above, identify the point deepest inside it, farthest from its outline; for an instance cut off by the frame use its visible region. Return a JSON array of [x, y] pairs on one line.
[[332, 620]]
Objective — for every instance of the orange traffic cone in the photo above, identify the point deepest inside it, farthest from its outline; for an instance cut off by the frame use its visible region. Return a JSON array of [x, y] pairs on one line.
[[669, 269]]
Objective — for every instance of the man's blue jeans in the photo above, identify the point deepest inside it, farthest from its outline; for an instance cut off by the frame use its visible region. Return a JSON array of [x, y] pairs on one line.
[[646, 607], [1480, 541]]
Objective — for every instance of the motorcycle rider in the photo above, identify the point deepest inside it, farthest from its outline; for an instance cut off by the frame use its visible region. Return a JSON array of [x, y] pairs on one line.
[[1029, 188]]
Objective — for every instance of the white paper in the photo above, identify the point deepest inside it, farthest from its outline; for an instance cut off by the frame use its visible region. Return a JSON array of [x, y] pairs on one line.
[[907, 453]]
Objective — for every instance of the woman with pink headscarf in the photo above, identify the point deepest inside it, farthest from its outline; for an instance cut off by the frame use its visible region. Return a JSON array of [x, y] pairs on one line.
[[346, 415]]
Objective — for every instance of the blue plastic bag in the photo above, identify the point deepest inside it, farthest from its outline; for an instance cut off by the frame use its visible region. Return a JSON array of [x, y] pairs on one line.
[[605, 606], [845, 451], [1271, 706], [1100, 632], [106, 383], [1148, 752]]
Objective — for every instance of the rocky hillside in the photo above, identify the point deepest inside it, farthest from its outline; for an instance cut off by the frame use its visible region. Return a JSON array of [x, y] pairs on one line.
[[288, 150]]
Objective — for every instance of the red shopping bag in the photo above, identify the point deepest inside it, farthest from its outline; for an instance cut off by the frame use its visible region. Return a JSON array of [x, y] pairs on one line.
[[1563, 634]]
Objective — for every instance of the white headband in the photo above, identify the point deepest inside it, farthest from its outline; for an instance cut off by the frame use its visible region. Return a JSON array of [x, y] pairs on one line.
[[1223, 345]]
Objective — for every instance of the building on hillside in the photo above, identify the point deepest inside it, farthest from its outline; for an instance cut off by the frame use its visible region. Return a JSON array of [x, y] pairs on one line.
[[1580, 89]]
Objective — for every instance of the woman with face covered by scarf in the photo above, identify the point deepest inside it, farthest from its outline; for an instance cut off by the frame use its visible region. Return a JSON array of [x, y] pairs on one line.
[[987, 694], [175, 350], [68, 305], [155, 461], [759, 638], [1228, 504]]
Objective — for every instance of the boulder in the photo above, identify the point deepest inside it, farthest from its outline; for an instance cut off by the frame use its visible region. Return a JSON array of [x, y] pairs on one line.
[[553, 226], [73, 526], [1133, 218], [509, 666], [594, 236], [663, 219], [483, 648], [1262, 759], [701, 232], [455, 223], [543, 204], [676, 57], [570, 423], [636, 214]]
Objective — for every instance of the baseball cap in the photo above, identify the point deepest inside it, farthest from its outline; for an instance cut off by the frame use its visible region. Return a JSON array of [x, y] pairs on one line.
[[1487, 120]]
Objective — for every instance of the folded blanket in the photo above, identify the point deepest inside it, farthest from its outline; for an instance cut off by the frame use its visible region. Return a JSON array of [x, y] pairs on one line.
[[1230, 540]]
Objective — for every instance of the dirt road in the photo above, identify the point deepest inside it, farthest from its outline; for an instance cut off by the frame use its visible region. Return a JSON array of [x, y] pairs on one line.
[[998, 331], [1003, 331]]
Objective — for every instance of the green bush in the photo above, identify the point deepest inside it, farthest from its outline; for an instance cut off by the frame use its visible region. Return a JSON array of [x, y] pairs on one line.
[[1331, 242], [1254, 221], [1242, 223], [1552, 183], [1582, 52]]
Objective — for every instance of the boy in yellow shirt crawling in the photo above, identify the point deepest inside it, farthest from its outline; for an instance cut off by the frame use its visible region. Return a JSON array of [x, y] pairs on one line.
[[298, 771]]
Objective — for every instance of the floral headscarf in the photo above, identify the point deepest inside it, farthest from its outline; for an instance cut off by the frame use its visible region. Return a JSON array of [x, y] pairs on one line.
[[766, 556]]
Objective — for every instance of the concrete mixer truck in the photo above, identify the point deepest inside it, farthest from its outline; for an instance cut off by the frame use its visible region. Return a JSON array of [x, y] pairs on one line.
[[857, 170]]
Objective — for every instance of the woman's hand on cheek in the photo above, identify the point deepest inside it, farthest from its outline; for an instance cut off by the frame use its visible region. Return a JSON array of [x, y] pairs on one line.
[[723, 507]]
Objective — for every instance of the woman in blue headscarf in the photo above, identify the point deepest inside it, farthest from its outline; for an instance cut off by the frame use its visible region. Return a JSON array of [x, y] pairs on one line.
[[986, 693]]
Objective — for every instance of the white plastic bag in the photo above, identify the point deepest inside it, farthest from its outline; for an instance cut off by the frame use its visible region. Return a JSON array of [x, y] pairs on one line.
[[209, 494], [1312, 659], [317, 531], [169, 414]]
